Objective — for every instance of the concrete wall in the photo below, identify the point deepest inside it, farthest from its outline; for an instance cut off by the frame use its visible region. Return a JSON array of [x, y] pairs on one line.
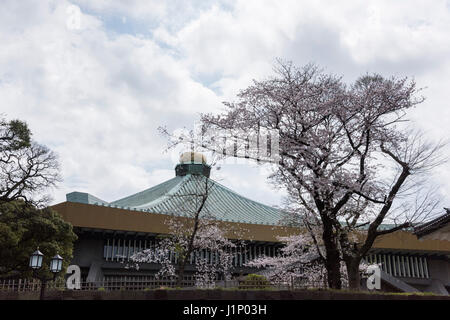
[[439, 269]]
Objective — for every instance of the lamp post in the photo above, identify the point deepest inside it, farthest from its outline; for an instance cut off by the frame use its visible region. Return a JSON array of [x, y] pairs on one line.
[[56, 264], [36, 260], [36, 263]]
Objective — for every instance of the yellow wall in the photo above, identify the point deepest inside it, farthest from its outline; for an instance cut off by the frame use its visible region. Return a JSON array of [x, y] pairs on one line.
[[107, 218]]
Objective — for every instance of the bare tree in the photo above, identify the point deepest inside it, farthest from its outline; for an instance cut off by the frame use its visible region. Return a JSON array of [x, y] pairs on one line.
[[27, 168], [344, 158]]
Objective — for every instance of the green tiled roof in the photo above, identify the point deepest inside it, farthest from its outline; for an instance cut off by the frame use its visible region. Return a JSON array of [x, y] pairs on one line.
[[148, 195], [175, 196]]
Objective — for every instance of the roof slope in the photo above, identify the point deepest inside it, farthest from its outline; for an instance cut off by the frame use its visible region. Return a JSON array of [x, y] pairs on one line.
[[149, 195], [181, 194]]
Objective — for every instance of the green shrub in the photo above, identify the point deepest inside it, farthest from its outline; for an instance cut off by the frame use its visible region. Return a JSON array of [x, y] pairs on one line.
[[254, 281]]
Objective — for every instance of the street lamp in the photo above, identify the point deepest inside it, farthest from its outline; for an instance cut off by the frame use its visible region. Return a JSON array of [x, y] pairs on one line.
[[36, 260], [36, 263], [56, 264]]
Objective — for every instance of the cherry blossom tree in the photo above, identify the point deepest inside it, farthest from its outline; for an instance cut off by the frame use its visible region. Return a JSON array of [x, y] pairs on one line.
[[195, 235], [298, 260], [344, 155], [299, 263], [212, 238], [210, 254]]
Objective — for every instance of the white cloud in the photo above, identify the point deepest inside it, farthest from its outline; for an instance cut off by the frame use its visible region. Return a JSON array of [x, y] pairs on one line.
[[97, 94], [96, 100]]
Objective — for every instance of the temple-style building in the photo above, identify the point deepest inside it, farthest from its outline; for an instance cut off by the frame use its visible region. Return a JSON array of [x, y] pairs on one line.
[[436, 229], [110, 232]]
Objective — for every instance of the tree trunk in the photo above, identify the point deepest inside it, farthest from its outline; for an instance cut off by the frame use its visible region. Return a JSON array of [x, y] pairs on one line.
[[333, 271], [181, 274], [333, 261], [354, 278]]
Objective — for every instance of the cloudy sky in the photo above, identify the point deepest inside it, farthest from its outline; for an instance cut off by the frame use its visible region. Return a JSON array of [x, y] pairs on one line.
[[95, 79]]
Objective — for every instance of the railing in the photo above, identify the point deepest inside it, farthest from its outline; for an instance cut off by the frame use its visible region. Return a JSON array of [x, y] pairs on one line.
[[105, 284], [123, 283], [288, 285], [20, 285]]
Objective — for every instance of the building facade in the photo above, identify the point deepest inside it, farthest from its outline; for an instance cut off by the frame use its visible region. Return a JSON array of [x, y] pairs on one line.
[[110, 232]]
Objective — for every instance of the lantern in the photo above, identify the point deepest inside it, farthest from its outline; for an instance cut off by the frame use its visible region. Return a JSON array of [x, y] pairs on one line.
[[36, 260], [56, 264]]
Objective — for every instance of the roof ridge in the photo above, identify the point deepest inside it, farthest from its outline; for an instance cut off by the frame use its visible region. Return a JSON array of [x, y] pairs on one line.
[[433, 222], [168, 195]]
